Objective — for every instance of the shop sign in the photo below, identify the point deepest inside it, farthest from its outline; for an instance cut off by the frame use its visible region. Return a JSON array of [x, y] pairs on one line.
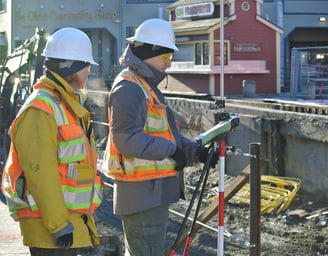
[[194, 10], [246, 47], [33, 15]]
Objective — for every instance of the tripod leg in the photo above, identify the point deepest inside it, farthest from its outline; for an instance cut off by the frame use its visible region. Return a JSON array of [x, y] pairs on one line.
[[191, 232], [201, 178]]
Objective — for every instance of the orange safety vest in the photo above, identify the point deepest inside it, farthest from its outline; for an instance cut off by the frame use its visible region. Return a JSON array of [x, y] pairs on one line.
[[81, 185], [120, 167]]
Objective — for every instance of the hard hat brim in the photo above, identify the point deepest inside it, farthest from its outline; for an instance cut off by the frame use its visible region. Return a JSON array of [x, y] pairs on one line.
[[154, 42], [48, 54]]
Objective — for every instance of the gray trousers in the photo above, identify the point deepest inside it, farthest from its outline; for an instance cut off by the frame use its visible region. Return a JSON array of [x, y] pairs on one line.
[[145, 232]]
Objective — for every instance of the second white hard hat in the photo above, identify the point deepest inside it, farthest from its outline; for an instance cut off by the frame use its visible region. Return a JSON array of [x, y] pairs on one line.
[[157, 32]]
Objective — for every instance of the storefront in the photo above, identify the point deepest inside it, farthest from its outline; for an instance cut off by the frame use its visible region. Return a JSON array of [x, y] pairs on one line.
[[107, 23], [94, 19], [251, 48]]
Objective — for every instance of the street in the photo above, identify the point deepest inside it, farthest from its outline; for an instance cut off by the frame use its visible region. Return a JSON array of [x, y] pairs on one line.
[[10, 238]]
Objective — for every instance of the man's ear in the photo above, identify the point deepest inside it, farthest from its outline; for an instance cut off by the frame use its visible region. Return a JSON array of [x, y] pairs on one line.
[[70, 78]]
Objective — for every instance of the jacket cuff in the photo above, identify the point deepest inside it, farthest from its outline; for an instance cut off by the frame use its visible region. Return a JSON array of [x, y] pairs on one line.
[[66, 230]]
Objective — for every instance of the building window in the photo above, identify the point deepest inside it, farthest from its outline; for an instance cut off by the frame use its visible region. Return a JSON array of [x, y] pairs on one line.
[[206, 59], [217, 59], [184, 53], [130, 31], [3, 5], [198, 54], [201, 53], [3, 47]]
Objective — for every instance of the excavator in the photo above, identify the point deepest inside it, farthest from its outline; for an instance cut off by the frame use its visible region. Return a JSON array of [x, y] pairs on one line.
[[18, 72]]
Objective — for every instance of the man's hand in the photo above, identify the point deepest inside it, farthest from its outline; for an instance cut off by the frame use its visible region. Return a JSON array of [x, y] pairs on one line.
[[203, 154], [65, 241], [180, 159]]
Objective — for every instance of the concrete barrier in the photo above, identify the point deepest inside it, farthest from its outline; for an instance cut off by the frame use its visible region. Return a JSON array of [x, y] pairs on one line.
[[292, 144]]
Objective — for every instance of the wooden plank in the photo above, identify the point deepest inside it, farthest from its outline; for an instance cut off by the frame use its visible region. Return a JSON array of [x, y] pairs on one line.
[[230, 190]]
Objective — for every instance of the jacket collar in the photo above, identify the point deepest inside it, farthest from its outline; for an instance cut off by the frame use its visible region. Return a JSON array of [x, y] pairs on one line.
[[66, 92], [152, 76]]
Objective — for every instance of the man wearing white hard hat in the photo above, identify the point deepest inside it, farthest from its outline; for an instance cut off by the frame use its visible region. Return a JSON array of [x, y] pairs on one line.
[[145, 154], [50, 179]]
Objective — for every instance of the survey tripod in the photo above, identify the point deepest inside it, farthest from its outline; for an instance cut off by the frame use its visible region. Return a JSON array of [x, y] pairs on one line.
[[214, 138]]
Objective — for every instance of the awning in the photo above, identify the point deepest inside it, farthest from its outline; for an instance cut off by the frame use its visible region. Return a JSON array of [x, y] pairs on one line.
[[195, 26], [184, 2]]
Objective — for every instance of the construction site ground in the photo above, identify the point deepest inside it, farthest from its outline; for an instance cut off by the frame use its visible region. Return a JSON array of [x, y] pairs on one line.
[[301, 230]]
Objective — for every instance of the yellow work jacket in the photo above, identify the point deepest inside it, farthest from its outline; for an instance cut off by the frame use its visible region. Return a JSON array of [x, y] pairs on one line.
[[124, 168], [74, 174]]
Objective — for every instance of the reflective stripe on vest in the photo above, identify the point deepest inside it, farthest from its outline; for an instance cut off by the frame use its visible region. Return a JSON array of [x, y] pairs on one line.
[[81, 185], [123, 168]]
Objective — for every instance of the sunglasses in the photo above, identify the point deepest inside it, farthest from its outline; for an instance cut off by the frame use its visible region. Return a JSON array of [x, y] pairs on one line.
[[166, 57]]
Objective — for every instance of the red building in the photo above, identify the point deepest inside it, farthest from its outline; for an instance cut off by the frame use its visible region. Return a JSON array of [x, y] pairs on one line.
[[251, 48]]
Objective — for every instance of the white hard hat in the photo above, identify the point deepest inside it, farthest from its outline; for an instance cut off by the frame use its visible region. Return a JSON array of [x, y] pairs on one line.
[[69, 44], [157, 32]]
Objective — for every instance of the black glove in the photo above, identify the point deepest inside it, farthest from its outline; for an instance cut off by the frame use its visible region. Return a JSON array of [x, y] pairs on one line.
[[180, 159], [65, 241], [203, 153]]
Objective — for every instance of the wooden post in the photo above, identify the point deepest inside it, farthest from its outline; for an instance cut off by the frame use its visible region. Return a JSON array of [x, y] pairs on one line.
[[255, 198]]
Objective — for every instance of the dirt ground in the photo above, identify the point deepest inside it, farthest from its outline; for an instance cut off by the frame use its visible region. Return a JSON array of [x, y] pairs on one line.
[[301, 230]]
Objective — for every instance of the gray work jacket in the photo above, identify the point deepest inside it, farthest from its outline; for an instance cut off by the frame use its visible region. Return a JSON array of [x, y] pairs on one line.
[[128, 110]]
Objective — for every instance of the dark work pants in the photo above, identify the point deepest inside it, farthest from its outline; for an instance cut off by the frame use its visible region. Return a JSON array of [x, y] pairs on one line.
[[53, 252]]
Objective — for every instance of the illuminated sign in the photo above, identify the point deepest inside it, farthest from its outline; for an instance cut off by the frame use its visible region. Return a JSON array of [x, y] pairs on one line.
[[195, 10]]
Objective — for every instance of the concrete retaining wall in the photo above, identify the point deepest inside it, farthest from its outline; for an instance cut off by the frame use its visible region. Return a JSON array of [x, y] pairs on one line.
[[292, 144]]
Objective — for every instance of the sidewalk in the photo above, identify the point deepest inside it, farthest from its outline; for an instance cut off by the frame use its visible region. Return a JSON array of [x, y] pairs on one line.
[[10, 239]]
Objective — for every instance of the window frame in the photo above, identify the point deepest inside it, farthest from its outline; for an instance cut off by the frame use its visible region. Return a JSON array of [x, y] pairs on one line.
[[202, 58], [202, 52], [216, 57]]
